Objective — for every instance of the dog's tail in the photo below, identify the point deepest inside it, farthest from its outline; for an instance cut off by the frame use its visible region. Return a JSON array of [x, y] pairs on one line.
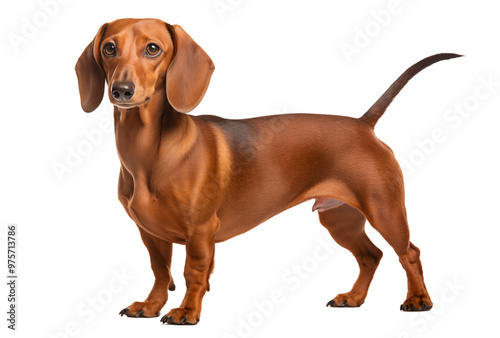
[[375, 112]]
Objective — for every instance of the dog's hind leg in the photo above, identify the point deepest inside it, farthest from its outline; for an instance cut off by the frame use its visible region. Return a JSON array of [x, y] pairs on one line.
[[389, 219], [346, 225], [383, 205]]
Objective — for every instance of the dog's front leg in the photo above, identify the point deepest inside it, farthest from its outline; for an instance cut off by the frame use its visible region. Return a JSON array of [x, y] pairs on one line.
[[161, 256], [200, 248]]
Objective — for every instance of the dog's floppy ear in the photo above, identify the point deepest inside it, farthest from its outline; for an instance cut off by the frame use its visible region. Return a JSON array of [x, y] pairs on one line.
[[90, 75], [189, 72]]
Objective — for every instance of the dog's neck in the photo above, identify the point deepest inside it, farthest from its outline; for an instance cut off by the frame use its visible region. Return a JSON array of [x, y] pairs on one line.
[[142, 133]]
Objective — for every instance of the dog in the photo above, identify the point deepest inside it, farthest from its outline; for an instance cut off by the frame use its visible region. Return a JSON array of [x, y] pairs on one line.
[[200, 180]]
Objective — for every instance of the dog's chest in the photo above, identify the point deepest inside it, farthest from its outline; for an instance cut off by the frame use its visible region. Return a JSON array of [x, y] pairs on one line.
[[143, 193], [157, 215]]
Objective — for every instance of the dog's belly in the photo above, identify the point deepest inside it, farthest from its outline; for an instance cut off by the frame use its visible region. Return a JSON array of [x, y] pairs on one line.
[[238, 218]]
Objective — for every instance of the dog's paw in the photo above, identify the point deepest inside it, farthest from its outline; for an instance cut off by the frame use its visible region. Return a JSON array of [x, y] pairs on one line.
[[349, 299], [148, 309], [417, 303], [181, 316]]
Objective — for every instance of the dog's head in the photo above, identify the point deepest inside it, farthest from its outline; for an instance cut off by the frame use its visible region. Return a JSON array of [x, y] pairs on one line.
[[141, 57]]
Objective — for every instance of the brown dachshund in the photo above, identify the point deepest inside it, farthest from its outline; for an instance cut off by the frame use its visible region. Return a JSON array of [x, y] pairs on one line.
[[199, 180]]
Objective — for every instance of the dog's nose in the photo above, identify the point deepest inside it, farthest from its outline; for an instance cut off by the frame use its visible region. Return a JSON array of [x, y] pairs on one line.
[[122, 90]]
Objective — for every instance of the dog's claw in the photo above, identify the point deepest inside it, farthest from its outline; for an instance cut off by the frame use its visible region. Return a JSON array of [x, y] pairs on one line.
[[138, 314], [170, 320], [412, 307], [167, 319], [341, 304], [125, 312]]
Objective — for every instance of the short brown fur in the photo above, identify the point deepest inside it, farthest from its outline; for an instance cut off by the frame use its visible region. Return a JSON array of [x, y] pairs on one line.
[[199, 180]]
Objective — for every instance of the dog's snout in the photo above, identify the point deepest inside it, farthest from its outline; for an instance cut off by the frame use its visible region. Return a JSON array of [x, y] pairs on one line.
[[122, 90]]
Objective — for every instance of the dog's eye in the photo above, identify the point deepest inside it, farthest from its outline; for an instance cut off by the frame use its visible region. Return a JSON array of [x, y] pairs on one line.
[[109, 49], [153, 50]]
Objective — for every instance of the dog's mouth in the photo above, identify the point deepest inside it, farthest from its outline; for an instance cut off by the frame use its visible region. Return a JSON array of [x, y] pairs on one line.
[[129, 105]]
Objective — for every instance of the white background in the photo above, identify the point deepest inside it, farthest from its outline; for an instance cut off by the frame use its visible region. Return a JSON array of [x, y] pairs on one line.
[[270, 57]]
